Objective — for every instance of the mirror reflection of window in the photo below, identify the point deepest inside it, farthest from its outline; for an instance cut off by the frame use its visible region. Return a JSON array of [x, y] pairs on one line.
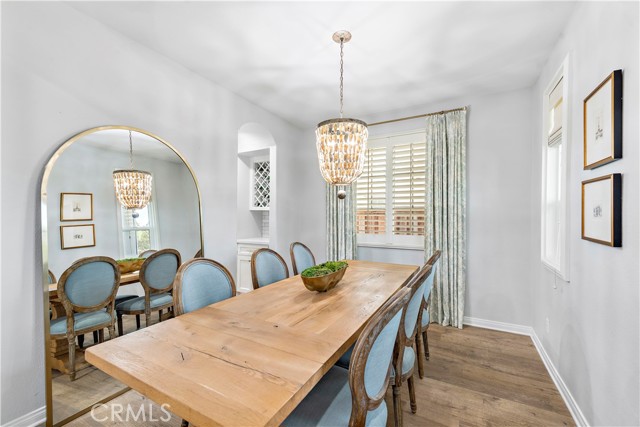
[[139, 230]]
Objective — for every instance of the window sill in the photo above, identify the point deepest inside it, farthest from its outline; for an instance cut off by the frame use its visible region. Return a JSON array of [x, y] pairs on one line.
[[390, 246], [555, 270]]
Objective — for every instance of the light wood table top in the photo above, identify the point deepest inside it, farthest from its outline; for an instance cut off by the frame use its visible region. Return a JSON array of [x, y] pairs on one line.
[[251, 359], [125, 279]]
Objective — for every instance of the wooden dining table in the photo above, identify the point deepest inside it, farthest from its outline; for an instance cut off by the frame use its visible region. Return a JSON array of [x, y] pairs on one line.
[[251, 359]]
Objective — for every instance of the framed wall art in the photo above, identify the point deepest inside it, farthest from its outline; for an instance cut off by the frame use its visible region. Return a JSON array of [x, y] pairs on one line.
[[76, 206], [602, 210], [77, 236], [602, 121]]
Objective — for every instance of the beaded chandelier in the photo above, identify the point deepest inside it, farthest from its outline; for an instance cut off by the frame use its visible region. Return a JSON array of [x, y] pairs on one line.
[[341, 143], [133, 187]]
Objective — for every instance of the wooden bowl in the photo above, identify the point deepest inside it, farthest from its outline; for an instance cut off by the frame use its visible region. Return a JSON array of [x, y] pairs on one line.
[[324, 283], [130, 265]]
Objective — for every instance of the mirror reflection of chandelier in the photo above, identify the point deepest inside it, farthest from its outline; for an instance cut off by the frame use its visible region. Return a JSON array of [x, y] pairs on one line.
[[341, 143], [133, 187]]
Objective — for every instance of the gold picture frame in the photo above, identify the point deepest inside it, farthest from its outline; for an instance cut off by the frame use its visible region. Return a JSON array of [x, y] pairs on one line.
[[602, 210], [77, 236], [76, 206], [602, 122]]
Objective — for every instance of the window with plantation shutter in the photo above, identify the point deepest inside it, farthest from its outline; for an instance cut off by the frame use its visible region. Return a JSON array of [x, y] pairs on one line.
[[371, 193], [391, 192], [408, 180]]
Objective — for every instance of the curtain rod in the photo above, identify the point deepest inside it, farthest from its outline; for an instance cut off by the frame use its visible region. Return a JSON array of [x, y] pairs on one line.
[[417, 117]]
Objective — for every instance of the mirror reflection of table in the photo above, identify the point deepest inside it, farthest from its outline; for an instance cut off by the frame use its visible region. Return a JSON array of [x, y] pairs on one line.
[[60, 347]]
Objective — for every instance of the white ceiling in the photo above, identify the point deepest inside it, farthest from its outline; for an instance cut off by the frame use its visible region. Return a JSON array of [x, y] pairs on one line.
[[118, 140], [280, 55]]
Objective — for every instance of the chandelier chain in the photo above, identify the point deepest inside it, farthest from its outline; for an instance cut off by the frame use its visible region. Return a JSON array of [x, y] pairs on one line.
[[130, 151], [341, 72]]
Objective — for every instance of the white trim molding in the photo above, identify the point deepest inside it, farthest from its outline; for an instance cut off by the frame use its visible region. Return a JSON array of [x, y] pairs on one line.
[[33, 418], [571, 403]]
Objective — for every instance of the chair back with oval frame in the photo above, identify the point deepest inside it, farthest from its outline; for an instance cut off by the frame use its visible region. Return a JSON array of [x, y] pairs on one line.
[[89, 285], [157, 275], [201, 282], [301, 257], [267, 267], [372, 357]]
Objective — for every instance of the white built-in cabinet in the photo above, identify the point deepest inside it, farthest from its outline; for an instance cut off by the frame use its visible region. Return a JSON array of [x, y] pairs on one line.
[[245, 250]]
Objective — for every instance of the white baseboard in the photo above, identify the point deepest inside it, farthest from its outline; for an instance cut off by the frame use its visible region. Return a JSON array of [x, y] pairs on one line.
[[498, 326], [575, 410], [34, 418], [572, 405]]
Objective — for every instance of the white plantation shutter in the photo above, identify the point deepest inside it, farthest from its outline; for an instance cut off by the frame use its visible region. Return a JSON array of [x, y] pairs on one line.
[[555, 114], [408, 183], [371, 193]]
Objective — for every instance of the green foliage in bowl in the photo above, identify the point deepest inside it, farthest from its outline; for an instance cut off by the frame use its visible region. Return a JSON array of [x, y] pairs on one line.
[[324, 269]]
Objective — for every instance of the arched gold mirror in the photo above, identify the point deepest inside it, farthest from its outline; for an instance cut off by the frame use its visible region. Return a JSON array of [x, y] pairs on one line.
[[82, 216]]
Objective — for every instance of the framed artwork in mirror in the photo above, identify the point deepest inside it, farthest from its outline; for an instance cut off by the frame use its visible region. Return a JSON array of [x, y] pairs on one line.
[[77, 236], [76, 206], [602, 210], [602, 121]]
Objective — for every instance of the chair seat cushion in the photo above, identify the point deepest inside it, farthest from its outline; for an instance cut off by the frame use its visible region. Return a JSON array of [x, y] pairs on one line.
[[137, 304], [408, 361], [82, 320], [425, 318], [345, 359], [329, 404]]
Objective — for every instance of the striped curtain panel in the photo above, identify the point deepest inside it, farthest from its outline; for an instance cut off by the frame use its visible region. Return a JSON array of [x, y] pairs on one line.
[[341, 223], [445, 214]]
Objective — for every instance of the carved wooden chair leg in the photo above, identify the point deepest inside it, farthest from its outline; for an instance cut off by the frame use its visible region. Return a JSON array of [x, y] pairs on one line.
[[81, 341], [72, 357], [426, 344], [159, 315], [120, 328], [397, 406], [147, 318], [101, 335], [112, 332], [137, 321], [95, 337], [412, 394], [419, 353]]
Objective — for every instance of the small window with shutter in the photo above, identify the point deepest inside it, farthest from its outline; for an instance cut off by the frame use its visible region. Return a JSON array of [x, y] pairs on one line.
[[555, 114], [391, 192]]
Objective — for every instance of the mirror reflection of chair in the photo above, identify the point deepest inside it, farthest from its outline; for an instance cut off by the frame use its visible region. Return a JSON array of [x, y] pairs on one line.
[[201, 282], [355, 397], [156, 276], [87, 291], [147, 253], [422, 341], [301, 257], [267, 267]]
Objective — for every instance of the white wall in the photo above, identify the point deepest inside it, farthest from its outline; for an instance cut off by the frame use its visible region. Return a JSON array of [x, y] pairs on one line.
[[63, 72], [594, 332], [175, 196]]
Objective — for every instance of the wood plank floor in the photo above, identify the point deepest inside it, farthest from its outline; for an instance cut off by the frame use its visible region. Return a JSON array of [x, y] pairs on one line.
[[475, 377]]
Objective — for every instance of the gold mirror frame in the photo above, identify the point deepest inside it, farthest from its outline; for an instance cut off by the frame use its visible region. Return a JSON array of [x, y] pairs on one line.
[[45, 246]]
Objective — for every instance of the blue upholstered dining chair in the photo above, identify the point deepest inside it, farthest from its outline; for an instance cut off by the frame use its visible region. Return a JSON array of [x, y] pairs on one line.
[[404, 356], [156, 277], [201, 282], [422, 341], [301, 257], [267, 267], [87, 292], [355, 397]]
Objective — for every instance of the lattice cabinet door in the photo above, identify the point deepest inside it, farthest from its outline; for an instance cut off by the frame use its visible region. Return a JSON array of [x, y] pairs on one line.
[[260, 185]]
